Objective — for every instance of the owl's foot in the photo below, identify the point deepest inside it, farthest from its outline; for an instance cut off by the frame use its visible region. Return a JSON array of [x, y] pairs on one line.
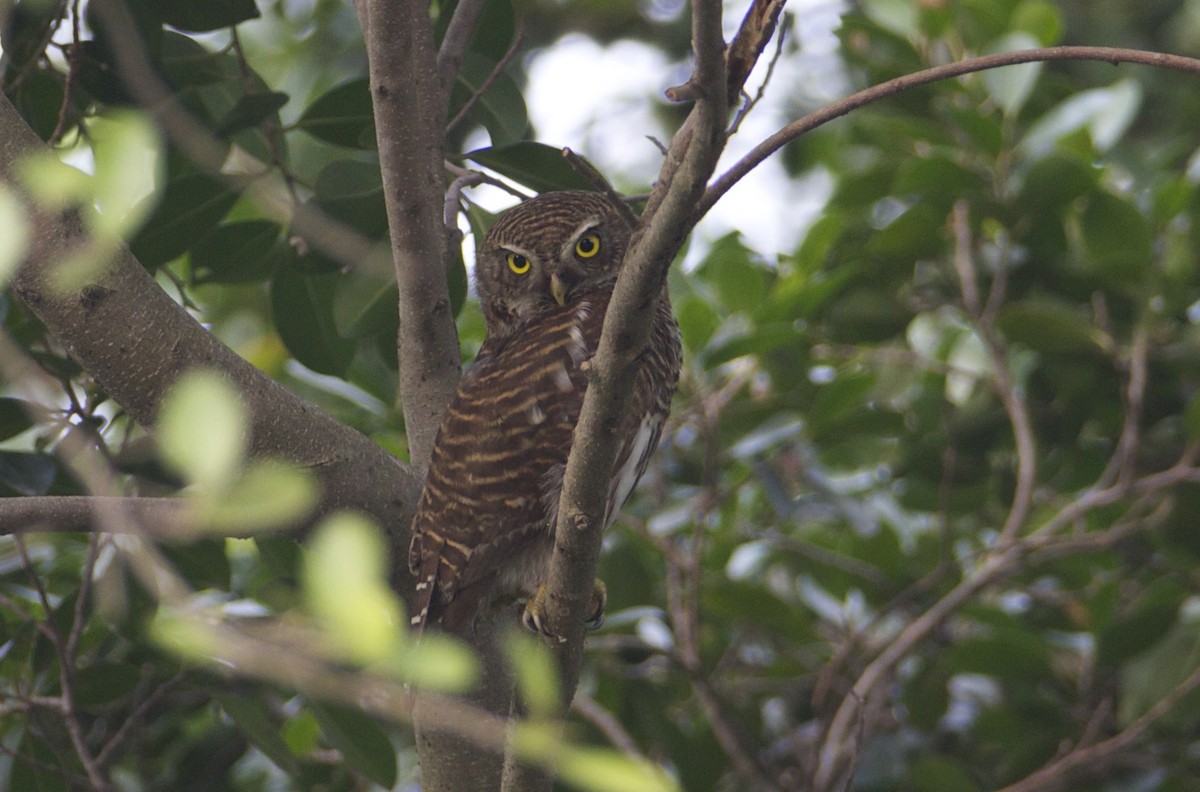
[[534, 614]]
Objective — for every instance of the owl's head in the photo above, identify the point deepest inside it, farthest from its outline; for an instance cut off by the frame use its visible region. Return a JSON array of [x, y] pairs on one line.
[[544, 251]]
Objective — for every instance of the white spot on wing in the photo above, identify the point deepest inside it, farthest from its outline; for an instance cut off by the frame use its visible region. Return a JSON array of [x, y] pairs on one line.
[[627, 477], [535, 414], [562, 380]]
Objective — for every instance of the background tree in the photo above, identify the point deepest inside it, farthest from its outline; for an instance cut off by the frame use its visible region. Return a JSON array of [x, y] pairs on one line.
[[921, 519]]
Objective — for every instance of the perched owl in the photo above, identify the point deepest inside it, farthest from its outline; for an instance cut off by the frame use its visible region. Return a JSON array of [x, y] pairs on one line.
[[484, 528]]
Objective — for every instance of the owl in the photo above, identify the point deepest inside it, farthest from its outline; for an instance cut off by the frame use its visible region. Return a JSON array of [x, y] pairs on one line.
[[484, 529]]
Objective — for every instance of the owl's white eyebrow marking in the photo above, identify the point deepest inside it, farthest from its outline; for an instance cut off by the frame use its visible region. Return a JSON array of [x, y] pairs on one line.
[[589, 223], [520, 251]]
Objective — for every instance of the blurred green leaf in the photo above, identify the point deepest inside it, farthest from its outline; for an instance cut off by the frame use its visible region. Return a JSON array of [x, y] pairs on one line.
[[26, 473], [539, 167], [1049, 327], [209, 15], [1011, 86], [302, 306], [346, 588], [343, 116], [16, 416], [251, 716], [1144, 624], [363, 744], [104, 682], [251, 110], [189, 207], [500, 109], [203, 429], [1117, 239], [238, 252]]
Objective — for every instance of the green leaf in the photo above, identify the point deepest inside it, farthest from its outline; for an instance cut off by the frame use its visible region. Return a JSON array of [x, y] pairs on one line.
[[208, 15], [1143, 625], [697, 322], [346, 587], [103, 682], [188, 64], [536, 674], [1011, 86], [128, 157], [1040, 19], [539, 167], [302, 306], [500, 109], [343, 116], [1049, 327], [251, 110], [15, 416], [26, 473], [203, 430], [933, 773], [1118, 242], [1104, 112], [189, 208], [251, 717], [739, 281], [39, 98], [268, 494], [363, 744], [1053, 182], [240, 252], [603, 770]]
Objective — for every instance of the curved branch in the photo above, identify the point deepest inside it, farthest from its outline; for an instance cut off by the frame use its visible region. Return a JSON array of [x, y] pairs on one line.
[[626, 330], [801, 126]]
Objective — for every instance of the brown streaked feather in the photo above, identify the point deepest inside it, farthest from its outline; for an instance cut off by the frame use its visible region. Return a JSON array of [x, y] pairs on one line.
[[484, 523]]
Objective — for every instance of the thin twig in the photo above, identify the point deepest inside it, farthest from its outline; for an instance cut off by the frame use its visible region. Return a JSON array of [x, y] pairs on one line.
[[454, 41], [752, 101], [801, 126], [1010, 395], [589, 172], [497, 70], [1096, 758]]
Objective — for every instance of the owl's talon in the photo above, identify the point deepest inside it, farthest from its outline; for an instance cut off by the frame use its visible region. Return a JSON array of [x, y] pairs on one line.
[[535, 608], [596, 605]]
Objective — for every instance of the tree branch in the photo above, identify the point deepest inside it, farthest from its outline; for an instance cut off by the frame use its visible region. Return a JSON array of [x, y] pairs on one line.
[[801, 126], [1093, 759], [82, 514], [134, 340], [665, 224], [410, 119], [454, 42]]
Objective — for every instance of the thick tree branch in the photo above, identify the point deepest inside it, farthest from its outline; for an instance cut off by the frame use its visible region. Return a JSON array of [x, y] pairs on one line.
[[83, 514], [134, 340], [410, 119], [801, 126], [665, 225]]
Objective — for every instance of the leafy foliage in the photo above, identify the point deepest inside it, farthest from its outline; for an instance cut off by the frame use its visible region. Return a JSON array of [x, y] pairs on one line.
[[970, 390]]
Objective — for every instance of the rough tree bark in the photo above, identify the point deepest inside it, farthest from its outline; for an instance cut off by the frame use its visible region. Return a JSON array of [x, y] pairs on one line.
[[130, 336]]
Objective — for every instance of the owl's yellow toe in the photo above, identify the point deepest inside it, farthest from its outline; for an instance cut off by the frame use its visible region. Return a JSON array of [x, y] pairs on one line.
[[533, 616]]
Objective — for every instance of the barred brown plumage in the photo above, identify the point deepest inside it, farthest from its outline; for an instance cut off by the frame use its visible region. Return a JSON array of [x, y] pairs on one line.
[[484, 526]]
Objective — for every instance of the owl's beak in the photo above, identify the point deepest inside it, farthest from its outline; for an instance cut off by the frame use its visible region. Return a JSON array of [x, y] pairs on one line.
[[558, 289]]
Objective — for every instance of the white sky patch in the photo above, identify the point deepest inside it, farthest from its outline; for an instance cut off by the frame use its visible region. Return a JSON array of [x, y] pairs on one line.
[[600, 100]]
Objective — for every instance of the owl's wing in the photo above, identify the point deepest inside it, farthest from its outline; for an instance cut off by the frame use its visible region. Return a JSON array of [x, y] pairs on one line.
[[483, 505], [653, 390]]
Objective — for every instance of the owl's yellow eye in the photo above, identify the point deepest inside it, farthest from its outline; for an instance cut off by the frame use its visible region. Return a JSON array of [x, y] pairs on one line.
[[587, 246], [518, 263]]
